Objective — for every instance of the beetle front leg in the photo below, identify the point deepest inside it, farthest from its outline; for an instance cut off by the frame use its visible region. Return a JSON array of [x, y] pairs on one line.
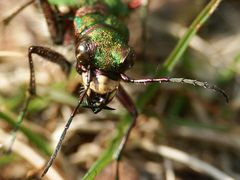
[[49, 55], [59, 23], [54, 22], [126, 101]]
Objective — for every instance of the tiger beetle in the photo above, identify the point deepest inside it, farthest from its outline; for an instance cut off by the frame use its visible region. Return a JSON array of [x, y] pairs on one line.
[[102, 58]]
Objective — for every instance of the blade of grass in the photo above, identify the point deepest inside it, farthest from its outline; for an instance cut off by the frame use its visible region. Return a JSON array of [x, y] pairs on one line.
[[168, 66], [34, 138], [178, 51], [107, 155], [13, 102], [4, 160], [64, 2]]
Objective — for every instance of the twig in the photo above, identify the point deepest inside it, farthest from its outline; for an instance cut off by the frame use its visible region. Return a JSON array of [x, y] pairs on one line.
[[214, 56], [11, 54], [209, 136], [168, 169], [184, 158], [17, 11]]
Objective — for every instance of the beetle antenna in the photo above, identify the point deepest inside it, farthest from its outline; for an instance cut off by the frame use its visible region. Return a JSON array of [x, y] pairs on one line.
[[67, 125], [177, 80]]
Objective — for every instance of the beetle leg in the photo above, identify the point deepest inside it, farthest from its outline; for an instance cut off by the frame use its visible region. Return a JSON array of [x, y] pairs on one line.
[[176, 80], [49, 55], [57, 24], [54, 22], [126, 101]]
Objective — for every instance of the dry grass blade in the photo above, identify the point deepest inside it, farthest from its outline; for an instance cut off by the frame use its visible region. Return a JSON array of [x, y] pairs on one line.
[[208, 136], [184, 158]]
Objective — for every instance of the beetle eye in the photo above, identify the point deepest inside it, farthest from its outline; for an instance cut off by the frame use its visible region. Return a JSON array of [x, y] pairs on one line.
[[128, 60], [84, 52], [82, 48]]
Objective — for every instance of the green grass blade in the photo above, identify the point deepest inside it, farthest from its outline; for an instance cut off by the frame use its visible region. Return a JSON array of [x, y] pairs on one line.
[[178, 51], [34, 138], [4, 160], [64, 2], [107, 155]]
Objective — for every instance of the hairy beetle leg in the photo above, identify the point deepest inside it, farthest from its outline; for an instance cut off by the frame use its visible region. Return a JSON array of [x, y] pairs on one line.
[[49, 55], [126, 101]]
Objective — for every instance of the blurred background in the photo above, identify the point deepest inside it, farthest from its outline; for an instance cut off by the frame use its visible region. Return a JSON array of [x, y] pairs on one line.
[[196, 121]]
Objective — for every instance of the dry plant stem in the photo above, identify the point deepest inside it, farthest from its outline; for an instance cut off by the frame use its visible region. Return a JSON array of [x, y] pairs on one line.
[[182, 157], [197, 43], [208, 136], [192, 30], [169, 171], [11, 54], [16, 12], [29, 154]]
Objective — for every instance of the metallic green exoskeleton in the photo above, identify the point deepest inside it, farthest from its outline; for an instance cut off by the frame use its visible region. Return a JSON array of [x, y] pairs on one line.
[[101, 47]]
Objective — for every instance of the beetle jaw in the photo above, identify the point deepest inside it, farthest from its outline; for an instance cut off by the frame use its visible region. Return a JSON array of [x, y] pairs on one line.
[[101, 91]]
